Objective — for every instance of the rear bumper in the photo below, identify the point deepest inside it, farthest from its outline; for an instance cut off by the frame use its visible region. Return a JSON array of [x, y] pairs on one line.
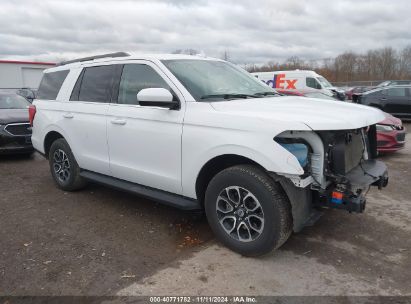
[[350, 194]]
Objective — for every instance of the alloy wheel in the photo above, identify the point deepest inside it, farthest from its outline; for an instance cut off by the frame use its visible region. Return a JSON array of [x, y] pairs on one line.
[[240, 213], [61, 165]]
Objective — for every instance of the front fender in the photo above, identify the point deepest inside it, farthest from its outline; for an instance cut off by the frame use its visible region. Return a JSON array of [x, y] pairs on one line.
[[272, 157]]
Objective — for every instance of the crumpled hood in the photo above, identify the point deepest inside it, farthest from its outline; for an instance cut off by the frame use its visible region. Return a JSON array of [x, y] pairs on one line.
[[318, 114], [391, 120], [13, 115]]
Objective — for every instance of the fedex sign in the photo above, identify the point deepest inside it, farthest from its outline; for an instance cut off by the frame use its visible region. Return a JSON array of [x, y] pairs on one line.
[[279, 82]]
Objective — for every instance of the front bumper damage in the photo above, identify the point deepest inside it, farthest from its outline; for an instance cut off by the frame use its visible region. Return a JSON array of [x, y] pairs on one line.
[[348, 193], [340, 167]]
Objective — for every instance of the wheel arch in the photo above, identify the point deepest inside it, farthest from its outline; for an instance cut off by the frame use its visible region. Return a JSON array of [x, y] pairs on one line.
[[50, 137], [215, 165]]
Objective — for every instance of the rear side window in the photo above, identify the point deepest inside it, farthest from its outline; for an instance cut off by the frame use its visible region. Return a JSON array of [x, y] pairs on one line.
[[396, 92], [50, 84], [94, 84], [136, 77]]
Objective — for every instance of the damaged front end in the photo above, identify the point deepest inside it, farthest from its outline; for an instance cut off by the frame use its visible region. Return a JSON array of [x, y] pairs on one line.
[[339, 168], [351, 168]]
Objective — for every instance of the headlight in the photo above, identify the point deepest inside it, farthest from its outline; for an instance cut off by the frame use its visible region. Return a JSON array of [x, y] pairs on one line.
[[385, 128], [299, 150]]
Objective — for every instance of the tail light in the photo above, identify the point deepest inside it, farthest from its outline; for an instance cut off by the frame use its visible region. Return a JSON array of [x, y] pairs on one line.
[[32, 113]]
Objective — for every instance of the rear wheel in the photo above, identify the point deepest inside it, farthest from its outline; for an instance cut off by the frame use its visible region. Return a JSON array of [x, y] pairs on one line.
[[64, 167], [248, 211]]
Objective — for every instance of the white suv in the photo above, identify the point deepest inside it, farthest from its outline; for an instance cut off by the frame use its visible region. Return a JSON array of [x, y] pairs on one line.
[[201, 133]]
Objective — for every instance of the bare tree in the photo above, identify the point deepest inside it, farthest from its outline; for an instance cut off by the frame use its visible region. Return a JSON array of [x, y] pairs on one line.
[[374, 65], [386, 62], [404, 63], [345, 65], [293, 63]]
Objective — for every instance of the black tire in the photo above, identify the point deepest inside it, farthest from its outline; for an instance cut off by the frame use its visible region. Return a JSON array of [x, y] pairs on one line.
[[276, 226], [70, 179]]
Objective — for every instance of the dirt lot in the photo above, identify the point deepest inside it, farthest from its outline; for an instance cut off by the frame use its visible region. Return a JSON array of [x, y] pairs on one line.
[[103, 242]]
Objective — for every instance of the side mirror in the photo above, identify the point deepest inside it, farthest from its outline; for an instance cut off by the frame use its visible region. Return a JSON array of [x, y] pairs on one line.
[[157, 97], [26, 93]]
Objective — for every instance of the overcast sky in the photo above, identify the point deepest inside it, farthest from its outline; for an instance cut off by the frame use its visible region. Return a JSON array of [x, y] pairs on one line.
[[251, 31]]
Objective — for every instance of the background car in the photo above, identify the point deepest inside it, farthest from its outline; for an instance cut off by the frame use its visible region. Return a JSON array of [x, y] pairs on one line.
[[395, 100], [27, 93], [390, 131], [356, 90], [15, 130], [390, 134]]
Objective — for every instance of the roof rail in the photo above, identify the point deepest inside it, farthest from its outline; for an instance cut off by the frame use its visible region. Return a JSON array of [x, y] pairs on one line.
[[112, 55]]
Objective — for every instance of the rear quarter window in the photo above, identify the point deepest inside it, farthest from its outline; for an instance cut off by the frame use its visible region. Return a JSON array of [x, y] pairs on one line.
[[396, 92], [50, 84]]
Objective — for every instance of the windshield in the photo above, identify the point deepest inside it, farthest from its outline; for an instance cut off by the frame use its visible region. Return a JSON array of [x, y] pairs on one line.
[[13, 101], [383, 84], [324, 82], [211, 80]]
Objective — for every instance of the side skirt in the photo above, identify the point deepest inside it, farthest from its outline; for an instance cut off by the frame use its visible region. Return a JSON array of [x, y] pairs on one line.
[[164, 197]]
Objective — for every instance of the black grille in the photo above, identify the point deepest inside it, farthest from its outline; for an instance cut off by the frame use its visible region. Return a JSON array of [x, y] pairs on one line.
[[401, 136], [19, 129]]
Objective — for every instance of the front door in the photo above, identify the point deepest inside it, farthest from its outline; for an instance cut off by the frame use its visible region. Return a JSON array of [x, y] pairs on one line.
[[145, 142], [395, 100]]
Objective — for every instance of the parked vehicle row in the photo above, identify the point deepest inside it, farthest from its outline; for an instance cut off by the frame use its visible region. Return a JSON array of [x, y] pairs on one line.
[[390, 131]]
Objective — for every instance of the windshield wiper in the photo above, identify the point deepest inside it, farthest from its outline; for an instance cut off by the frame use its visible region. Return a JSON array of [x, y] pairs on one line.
[[267, 93], [228, 96]]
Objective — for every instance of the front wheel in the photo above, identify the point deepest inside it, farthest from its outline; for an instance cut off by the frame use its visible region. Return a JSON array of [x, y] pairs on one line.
[[64, 167], [248, 211]]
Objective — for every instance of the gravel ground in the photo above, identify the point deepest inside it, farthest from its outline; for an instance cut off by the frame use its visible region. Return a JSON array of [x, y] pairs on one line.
[[101, 241]]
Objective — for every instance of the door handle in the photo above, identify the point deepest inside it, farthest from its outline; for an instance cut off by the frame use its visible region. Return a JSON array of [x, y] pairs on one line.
[[383, 99], [68, 115], [119, 122]]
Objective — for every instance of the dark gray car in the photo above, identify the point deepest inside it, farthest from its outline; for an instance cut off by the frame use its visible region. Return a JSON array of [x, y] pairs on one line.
[[15, 130], [395, 100]]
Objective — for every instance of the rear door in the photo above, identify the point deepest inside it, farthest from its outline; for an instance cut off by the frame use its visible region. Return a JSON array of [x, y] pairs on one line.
[[84, 117], [408, 103], [396, 100], [145, 141]]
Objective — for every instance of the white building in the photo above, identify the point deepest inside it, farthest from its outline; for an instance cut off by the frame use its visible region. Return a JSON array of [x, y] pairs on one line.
[[21, 74]]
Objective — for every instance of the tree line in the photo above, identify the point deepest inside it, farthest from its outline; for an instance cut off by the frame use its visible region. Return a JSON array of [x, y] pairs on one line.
[[374, 65]]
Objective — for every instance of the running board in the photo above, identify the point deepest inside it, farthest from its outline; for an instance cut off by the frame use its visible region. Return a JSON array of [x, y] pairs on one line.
[[164, 197]]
